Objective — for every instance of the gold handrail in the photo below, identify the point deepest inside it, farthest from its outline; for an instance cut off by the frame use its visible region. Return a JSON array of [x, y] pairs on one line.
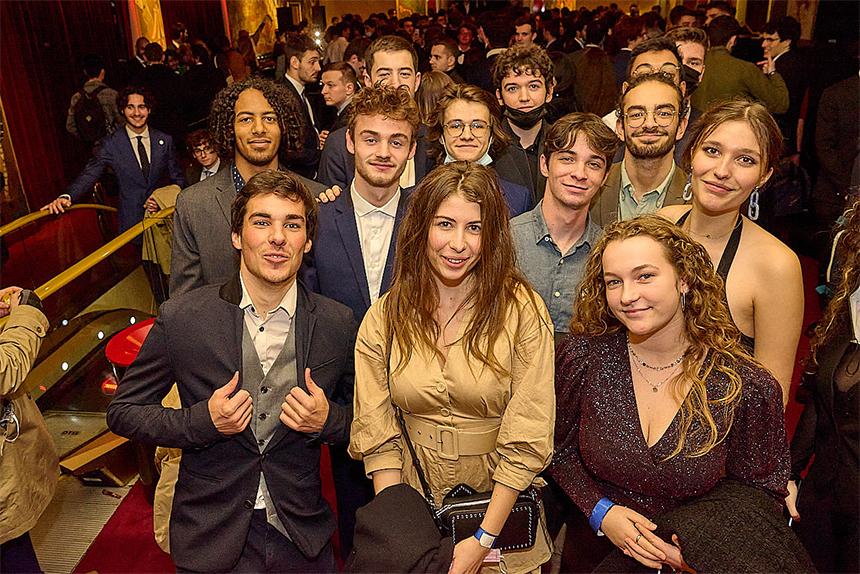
[[57, 282], [36, 215]]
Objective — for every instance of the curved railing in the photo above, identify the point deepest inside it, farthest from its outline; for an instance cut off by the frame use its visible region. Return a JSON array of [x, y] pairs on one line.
[[67, 276], [37, 215]]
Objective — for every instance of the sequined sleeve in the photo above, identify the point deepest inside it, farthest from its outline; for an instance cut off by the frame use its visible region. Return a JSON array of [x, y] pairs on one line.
[[758, 452], [571, 366]]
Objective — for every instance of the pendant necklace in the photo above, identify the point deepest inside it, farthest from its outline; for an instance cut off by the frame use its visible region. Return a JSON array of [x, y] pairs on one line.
[[654, 386], [647, 366], [708, 235]]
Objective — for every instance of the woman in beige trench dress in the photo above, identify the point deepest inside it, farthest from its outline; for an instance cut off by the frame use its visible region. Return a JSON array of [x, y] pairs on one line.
[[460, 340]]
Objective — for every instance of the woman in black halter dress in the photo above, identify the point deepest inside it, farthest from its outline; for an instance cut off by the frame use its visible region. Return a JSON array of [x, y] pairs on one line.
[[733, 150]]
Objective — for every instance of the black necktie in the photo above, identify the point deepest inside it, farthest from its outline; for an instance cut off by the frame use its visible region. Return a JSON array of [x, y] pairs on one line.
[[144, 159]]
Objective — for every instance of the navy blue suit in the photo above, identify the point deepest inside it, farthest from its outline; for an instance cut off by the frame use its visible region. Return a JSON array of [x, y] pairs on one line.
[[336, 269], [116, 152]]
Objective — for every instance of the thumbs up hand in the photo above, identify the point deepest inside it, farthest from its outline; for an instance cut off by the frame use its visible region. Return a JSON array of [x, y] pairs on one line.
[[305, 412], [230, 415]]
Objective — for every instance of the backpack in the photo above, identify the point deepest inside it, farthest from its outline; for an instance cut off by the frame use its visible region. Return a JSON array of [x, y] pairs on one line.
[[90, 117]]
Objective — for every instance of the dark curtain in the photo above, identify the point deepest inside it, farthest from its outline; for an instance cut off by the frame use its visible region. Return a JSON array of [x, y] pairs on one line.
[[202, 18], [42, 43]]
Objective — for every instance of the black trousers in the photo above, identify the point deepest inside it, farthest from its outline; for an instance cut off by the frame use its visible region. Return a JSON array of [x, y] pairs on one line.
[[267, 550], [17, 555]]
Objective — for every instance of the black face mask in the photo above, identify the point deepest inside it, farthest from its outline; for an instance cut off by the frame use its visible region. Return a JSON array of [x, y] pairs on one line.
[[525, 120], [691, 77]]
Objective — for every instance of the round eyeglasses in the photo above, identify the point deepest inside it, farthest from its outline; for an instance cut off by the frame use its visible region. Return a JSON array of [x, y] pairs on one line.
[[455, 128], [667, 69], [662, 117]]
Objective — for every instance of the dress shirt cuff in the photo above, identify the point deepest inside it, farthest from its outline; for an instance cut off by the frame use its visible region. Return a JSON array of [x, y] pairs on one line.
[[389, 460], [513, 477], [600, 509], [64, 196]]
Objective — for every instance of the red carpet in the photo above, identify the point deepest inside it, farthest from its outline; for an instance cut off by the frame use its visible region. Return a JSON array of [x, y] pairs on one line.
[[126, 545]]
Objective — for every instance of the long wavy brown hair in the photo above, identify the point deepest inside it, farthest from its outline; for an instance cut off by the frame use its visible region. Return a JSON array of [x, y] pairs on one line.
[[837, 315], [714, 339], [413, 297]]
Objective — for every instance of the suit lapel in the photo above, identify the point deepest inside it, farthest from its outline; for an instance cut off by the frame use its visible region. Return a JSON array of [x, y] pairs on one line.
[[231, 292], [129, 157], [156, 152], [225, 193], [389, 262], [348, 230]]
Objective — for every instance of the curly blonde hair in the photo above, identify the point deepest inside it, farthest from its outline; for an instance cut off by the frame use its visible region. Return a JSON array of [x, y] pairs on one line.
[[714, 338]]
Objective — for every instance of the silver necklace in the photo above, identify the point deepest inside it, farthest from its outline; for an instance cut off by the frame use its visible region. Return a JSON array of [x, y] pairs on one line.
[[708, 235], [647, 366], [654, 386]]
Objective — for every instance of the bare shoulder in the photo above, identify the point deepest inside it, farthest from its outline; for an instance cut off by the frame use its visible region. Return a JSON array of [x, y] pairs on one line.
[[673, 212], [773, 258]]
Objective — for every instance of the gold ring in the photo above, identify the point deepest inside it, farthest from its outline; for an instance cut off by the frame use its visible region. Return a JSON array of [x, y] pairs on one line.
[[637, 538]]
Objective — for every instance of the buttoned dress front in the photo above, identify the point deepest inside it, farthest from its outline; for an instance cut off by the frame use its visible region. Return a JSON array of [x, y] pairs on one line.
[[465, 394]]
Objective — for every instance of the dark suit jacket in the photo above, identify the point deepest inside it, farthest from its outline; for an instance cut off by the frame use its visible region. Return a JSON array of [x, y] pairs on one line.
[[116, 152], [481, 74], [308, 163], [335, 267], [604, 205], [203, 253], [337, 165], [202, 83], [837, 140], [196, 341]]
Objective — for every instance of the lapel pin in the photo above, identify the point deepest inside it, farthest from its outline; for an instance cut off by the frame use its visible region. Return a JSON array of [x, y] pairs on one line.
[[160, 142]]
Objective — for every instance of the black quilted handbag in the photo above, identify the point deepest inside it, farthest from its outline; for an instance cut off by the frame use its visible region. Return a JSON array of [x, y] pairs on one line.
[[463, 509]]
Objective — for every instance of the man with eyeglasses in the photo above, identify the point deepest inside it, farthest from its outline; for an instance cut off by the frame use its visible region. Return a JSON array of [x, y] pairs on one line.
[[661, 56], [651, 119], [206, 160]]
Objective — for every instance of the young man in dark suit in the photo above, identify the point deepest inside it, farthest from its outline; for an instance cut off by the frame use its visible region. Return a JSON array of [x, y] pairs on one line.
[[142, 158], [265, 374], [255, 121], [353, 255], [302, 56], [205, 155]]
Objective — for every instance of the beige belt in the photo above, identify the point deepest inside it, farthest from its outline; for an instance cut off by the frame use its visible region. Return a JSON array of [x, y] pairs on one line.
[[450, 443]]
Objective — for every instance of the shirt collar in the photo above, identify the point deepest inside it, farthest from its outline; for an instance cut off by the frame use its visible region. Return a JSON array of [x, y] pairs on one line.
[[495, 51], [345, 103], [214, 168], [589, 236], [288, 302], [300, 87], [362, 207], [133, 136], [778, 56], [627, 187]]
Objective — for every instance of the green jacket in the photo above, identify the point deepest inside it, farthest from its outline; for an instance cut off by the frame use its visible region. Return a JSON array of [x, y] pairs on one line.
[[727, 77]]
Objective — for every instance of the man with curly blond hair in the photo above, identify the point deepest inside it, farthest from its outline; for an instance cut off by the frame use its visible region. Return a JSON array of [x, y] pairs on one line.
[[257, 126], [353, 254]]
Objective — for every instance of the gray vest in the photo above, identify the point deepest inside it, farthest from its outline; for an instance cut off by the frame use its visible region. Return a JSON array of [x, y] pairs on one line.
[[268, 392]]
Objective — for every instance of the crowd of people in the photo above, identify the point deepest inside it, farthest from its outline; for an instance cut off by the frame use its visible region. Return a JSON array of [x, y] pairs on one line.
[[498, 249]]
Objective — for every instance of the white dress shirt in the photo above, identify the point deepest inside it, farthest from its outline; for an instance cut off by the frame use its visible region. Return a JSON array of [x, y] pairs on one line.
[[147, 145], [375, 230], [212, 170], [268, 336]]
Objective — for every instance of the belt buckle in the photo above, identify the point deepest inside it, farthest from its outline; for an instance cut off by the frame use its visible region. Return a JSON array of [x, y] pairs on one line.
[[448, 439]]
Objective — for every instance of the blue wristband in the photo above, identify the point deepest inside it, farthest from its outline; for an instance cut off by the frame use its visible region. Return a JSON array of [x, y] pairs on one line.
[[485, 539], [600, 509]]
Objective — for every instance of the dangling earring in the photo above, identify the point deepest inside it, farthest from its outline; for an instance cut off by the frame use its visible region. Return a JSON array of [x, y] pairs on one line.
[[752, 211], [688, 189], [683, 300]]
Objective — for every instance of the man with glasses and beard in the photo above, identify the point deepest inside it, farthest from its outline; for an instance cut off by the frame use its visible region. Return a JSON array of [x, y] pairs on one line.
[[651, 119]]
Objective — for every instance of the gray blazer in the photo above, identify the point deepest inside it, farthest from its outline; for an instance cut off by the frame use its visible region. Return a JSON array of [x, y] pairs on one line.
[[203, 253], [604, 205]]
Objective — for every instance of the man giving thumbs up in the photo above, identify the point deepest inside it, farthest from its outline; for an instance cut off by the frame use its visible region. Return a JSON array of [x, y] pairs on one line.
[[264, 370]]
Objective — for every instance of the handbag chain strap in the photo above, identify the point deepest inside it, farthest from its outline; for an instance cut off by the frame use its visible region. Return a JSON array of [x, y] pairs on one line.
[[428, 494]]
